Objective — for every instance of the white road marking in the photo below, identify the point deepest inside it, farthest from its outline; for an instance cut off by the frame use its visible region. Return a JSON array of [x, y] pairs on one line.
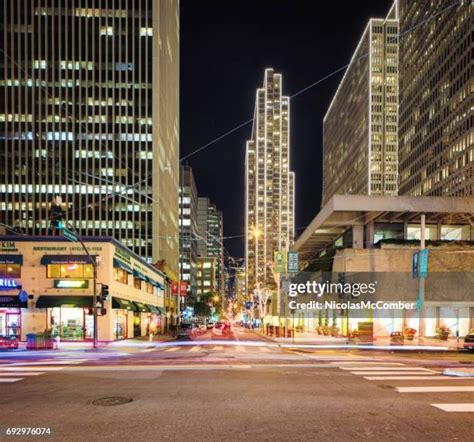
[[56, 362], [11, 379], [460, 408], [413, 378], [194, 348], [172, 349], [448, 389], [31, 368], [367, 363], [414, 372], [264, 349], [240, 349], [387, 368], [21, 373], [218, 347]]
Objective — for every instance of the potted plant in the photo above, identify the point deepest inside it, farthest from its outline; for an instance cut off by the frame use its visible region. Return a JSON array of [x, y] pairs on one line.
[[443, 333], [409, 333]]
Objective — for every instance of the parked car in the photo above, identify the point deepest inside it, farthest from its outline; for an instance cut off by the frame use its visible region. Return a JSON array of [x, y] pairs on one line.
[[222, 328], [469, 341], [186, 331], [8, 342]]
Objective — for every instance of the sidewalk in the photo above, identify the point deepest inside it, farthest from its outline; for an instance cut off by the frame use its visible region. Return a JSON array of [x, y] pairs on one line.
[[381, 342], [124, 344]]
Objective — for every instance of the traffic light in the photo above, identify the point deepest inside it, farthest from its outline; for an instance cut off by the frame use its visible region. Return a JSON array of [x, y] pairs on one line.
[[89, 311], [104, 292], [56, 217]]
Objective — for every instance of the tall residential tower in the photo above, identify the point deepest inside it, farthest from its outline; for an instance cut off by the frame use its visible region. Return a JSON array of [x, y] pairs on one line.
[[269, 184], [89, 113]]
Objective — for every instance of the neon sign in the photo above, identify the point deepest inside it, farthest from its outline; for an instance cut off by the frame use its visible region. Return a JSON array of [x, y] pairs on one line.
[[6, 283], [71, 284]]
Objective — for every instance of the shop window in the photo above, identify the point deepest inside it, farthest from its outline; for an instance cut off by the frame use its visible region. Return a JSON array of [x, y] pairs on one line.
[[414, 232], [149, 288], [71, 270], [455, 233], [120, 275], [10, 270], [137, 283]]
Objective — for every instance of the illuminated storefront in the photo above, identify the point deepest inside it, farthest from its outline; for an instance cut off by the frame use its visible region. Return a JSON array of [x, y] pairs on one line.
[[47, 284]]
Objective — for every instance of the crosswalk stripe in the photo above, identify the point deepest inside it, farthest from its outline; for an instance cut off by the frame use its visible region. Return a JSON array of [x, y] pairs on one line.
[[450, 408], [413, 378], [387, 369], [218, 347], [264, 349], [367, 363], [194, 348], [56, 362], [21, 373], [10, 379], [240, 349], [172, 349], [414, 372], [432, 389], [31, 368]]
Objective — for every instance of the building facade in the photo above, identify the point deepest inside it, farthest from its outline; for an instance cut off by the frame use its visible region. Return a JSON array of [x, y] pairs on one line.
[[207, 275], [360, 140], [188, 229], [210, 238], [57, 276], [269, 183], [436, 95], [89, 113]]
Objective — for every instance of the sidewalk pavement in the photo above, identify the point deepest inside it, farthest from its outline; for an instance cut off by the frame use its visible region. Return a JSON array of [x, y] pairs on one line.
[[124, 344], [380, 342]]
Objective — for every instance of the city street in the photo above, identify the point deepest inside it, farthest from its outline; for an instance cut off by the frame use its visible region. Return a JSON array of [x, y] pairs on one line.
[[240, 388]]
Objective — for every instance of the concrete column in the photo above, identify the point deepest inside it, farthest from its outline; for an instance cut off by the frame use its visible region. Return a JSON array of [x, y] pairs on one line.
[[369, 235], [358, 236]]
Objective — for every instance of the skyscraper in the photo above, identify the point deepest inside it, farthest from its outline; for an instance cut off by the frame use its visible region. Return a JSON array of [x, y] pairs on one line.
[[188, 229], [360, 140], [210, 238], [89, 113], [269, 184], [436, 96]]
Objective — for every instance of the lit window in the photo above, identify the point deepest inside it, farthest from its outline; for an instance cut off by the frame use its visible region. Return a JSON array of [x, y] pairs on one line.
[[146, 32], [106, 30]]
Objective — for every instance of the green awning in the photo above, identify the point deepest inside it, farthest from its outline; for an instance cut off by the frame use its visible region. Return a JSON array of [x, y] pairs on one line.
[[121, 265], [124, 304], [152, 308], [11, 259], [66, 301], [141, 307]]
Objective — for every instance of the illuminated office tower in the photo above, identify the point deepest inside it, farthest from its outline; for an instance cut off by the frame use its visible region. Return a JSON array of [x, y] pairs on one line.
[[89, 113], [210, 246], [360, 141], [436, 98], [269, 184]]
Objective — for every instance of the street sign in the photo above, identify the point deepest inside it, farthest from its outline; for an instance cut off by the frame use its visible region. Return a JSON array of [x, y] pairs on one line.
[[280, 259], [23, 296], [293, 262], [248, 305], [415, 263], [182, 290], [423, 266], [69, 235]]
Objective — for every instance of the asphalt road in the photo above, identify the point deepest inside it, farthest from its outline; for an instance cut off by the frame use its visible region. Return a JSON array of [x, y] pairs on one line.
[[242, 388]]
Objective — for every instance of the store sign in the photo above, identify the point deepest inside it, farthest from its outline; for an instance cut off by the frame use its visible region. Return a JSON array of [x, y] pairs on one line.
[[175, 290], [12, 302], [71, 284], [280, 260], [293, 262], [8, 246], [7, 283]]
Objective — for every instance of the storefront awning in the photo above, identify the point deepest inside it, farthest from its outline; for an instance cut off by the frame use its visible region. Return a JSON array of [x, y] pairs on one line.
[[66, 259], [137, 274], [12, 302], [69, 301], [125, 304], [121, 265], [141, 307], [11, 259], [155, 309]]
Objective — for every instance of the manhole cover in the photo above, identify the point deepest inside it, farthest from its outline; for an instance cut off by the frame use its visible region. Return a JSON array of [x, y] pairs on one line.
[[387, 387], [111, 401]]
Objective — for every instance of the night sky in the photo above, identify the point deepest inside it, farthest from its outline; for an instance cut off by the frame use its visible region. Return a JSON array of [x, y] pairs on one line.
[[225, 47]]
